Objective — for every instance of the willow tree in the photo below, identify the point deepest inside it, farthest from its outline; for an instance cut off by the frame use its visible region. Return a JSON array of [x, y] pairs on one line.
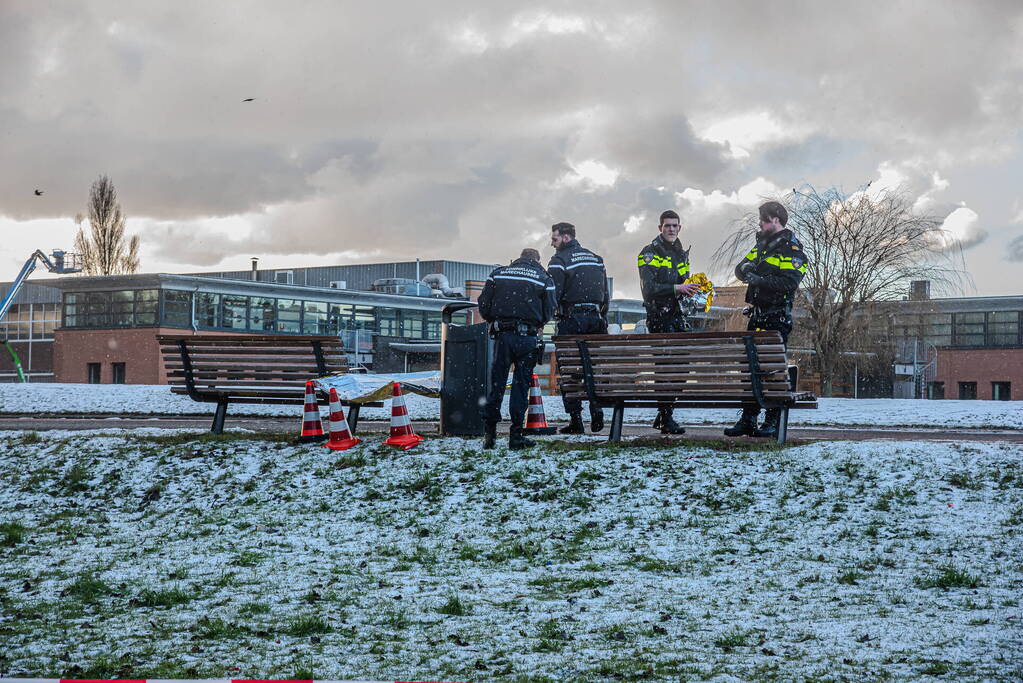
[[862, 249], [103, 249]]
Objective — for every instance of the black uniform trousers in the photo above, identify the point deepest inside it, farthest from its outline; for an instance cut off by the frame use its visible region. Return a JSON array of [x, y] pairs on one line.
[[511, 348], [666, 323], [777, 319], [582, 322]]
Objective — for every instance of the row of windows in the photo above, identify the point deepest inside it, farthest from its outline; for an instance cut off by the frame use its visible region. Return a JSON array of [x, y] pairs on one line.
[[30, 322], [1000, 391], [173, 308], [993, 328]]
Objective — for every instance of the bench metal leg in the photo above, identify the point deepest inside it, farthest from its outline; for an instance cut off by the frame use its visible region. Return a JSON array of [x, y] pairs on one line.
[[218, 417], [353, 417], [783, 425], [616, 423]]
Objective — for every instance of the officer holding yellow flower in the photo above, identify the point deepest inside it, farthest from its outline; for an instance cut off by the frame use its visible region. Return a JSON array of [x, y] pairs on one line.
[[663, 270]]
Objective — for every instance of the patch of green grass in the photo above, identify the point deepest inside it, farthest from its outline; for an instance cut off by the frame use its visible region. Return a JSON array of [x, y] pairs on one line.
[[454, 607], [617, 633], [349, 461], [467, 552], [253, 608], [551, 637], [731, 639], [248, 558], [949, 576], [75, 480], [526, 550], [89, 589], [894, 495], [850, 578], [164, 597], [29, 438], [645, 563], [199, 438], [936, 668], [567, 585], [11, 534], [216, 628], [396, 619], [307, 625], [965, 480]]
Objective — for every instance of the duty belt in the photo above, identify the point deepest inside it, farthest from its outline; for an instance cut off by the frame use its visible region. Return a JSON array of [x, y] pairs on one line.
[[585, 307], [517, 326], [757, 312]]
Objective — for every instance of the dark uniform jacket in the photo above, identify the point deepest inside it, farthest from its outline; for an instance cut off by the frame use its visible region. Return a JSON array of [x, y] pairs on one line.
[[579, 278], [662, 265], [522, 292], [781, 261]]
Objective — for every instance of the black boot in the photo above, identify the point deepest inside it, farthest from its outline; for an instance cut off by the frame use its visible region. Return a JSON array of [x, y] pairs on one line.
[[770, 427], [517, 440], [574, 426], [489, 434], [596, 420], [666, 423], [747, 424]]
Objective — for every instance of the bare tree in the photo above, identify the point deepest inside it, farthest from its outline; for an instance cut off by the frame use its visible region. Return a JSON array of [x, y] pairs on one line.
[[862, 248], [103, 250]]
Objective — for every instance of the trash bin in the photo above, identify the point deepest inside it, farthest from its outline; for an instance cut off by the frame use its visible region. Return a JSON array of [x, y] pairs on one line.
[[466, 354]]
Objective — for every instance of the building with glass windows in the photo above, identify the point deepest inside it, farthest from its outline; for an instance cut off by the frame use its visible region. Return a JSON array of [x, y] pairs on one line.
[[967, 348], [29, 327]]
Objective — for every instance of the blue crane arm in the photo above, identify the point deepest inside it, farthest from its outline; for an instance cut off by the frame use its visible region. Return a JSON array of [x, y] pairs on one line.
[[26, 270]]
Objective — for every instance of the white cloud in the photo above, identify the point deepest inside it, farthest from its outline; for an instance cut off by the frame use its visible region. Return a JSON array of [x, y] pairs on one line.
[[749, 194], [747, 131], [962, 228], [634, 222]]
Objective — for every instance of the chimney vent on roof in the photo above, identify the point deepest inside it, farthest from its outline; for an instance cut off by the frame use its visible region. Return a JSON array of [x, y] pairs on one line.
[[255, 268], [919, 290]]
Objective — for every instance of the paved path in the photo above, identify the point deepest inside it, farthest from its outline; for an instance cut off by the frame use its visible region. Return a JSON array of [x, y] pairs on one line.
[[796, 433]]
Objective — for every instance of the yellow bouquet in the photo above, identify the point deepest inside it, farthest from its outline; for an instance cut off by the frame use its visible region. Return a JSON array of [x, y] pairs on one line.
[[706, 292]]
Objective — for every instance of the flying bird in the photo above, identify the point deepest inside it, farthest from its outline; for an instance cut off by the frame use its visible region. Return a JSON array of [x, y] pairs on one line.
[[249, 99], [39, 193]]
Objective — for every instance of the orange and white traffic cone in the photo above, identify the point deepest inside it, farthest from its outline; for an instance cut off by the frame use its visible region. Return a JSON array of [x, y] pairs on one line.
[[402, 435], [341, 437], [536, 420], [312, 426]]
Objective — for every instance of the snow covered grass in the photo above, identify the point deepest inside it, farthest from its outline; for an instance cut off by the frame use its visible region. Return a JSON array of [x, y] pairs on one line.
[[167, 554], [158, 400]]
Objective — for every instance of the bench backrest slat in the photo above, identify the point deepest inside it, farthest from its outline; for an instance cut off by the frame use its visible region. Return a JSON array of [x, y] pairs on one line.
[[243, 362]]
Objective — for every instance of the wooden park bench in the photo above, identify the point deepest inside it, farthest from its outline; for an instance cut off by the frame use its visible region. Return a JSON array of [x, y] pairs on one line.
[[262, 369], [686, 370]]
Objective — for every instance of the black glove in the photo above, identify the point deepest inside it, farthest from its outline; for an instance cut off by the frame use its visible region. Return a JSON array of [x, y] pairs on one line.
[[743, 270], [755, 280]]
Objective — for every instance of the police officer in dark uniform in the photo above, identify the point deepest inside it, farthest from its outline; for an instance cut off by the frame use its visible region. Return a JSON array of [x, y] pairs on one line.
[[517, 300], [580, 282], [663, 269], [772, 270]]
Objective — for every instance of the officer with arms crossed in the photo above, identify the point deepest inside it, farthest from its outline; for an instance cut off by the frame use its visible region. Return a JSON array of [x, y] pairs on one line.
[[580, 282], [663, 268], [772, 270], [517, 300]]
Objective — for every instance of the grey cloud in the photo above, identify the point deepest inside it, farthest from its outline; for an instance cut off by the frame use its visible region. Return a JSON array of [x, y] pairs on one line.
[[382, 129], [1014, 250]]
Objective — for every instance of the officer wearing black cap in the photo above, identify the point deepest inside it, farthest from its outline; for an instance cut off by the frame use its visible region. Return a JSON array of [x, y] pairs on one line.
[[517, 300], [580, 282], [772, 270], [663, 269]]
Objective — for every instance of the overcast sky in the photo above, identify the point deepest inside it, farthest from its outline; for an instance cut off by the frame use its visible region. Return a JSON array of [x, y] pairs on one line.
[[389, 131]]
